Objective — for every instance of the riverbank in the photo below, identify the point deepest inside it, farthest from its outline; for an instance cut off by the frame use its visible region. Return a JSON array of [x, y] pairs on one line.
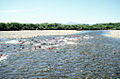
[[35, 33], [113, 33]]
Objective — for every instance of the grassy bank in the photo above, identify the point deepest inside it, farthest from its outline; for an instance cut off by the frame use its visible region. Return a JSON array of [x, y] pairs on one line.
[[57, 26]]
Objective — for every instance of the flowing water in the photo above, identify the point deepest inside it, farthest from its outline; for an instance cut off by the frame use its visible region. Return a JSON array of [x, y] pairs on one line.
[[82, 55]]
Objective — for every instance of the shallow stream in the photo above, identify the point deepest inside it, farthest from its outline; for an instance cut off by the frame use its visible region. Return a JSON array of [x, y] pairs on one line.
[[82, 55]]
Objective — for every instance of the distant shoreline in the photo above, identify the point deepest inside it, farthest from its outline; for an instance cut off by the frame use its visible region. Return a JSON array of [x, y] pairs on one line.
[[57, 26], [35, 33]]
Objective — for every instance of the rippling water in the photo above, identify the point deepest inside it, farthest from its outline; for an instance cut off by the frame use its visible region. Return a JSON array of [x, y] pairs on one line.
[[92, 56]]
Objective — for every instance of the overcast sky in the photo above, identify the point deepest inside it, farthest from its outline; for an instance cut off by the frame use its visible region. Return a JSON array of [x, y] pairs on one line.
[[60, 11]]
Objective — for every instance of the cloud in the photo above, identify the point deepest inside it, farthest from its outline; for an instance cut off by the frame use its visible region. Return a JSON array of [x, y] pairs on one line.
[[11, 11], [16, 11], [38, 8]]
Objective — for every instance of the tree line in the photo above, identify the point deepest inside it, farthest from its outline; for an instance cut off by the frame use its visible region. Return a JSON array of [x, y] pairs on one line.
[[57, 26]]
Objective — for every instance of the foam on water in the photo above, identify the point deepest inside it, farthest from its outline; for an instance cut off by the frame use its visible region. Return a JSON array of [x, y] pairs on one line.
[[3, 58], [12, 42], [88, 37], [71, 42], [37, 44]]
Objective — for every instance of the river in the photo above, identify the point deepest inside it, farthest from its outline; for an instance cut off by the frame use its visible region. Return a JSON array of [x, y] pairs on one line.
[[84, 55]]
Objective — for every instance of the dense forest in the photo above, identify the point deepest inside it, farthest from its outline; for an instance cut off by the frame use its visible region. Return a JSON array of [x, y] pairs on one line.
[[57, 26]]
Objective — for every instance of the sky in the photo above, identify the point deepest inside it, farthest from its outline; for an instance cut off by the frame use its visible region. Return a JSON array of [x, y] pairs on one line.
[[60, 11]]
